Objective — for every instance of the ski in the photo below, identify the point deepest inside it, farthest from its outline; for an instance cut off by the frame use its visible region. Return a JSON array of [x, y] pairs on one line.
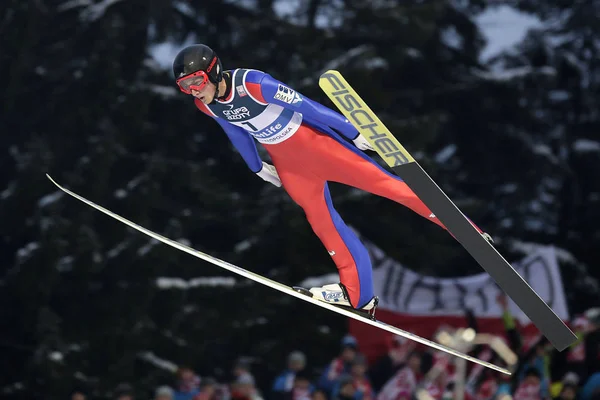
[[405, 166], [295, 291]]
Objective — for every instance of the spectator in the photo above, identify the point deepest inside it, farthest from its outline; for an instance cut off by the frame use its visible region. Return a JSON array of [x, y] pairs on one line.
[[537, 359], [592, 343], [164, 393], [360, 378], [241, 371], [436, 386], [568, 392], [188, 384], [243, 388], [318, 394], [339, 365], [530, 388], [395, 358], [404, 382], [124, 391], [345, 389], [302, 388], [591, 388], [207, 389], [284, 382], [573, 359], [570, 379], [78, 394]]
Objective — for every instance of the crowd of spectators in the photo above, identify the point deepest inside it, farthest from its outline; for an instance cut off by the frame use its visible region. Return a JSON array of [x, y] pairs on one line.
[[410, 371]]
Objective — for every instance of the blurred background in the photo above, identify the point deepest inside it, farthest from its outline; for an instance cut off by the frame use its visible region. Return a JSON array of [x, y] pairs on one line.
[[498, 101]]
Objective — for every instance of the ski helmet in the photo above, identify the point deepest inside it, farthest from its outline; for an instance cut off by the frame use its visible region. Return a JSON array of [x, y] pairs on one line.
[[196, 59]]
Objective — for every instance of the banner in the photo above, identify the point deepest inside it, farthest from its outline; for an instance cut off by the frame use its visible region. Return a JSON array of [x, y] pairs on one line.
[[421, 304], [402, 290]]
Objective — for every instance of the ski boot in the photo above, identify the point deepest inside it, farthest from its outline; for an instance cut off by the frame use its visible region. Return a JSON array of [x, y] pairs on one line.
[[337, 295], [488, 237]]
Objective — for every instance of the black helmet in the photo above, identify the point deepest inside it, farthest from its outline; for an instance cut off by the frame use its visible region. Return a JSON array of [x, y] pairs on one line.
[[195, 58]]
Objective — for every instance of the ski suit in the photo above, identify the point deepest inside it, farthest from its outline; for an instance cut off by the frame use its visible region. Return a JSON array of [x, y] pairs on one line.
[[298, 134]]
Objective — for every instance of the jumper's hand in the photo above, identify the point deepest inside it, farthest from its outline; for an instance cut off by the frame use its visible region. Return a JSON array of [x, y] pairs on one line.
[[362, 143], [269, 174]]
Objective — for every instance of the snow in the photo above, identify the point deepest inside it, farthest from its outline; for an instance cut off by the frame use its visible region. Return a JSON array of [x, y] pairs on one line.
[[164, 53], [74, 347], [509, 74], [503, 27], [375, 63], [65, 264], [293, 12], [81, 376], [97, 257], [451, 38], [184, 242], [328, 15], [412, 52], [6, 193], [535, 225], [579, 65], [158, 362], [188, 309], [324, 329], [56, 356], [14, 387], [115, 251], [142, 251], [286, 8], [559, 95], [179, 341], [444, 155], [161, 90], [178, 283], [552, 183], [508, 188], [135, 181], [25, 252], [544, 150], [184, 8], [50, 198], [242, 246], [535, 206], [347, 56], [96, 11], [90, 11], [67, 5], [506, 223], [547, 198], [586, 145]]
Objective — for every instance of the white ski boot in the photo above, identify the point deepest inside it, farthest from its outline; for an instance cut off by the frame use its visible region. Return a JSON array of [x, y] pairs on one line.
[[336, 294]]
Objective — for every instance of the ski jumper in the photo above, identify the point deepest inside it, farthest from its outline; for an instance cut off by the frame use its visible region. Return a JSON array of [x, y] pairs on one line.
[[298, 134]]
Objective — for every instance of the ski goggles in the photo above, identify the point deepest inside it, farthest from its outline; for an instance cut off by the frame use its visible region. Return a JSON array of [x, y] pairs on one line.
[[194, 81]]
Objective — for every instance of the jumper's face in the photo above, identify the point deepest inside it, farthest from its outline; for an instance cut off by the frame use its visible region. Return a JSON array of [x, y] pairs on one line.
[[198, 85], [206, 94]]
